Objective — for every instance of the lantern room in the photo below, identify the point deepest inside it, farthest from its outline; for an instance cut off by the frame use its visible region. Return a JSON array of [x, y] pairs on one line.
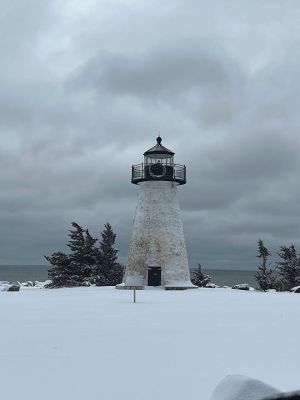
[[159, 154], [159, 165]]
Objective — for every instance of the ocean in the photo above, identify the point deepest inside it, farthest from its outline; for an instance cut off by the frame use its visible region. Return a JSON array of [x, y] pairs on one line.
[[23, 273]]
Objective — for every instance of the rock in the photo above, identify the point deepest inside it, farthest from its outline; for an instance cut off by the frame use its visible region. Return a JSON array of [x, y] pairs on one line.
[[14, 287], [39, 284], [27, 284], [239, 387], [295, 289], [212, 285], [242, 286]]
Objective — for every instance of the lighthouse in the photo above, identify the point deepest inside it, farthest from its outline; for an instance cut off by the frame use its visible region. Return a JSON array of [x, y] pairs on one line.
[[157, 255]]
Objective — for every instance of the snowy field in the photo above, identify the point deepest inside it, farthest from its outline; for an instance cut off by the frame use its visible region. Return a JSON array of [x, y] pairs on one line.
[[94, 343]]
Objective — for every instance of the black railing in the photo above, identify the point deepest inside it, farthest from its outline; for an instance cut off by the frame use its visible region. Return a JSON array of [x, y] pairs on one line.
[[175, 172]]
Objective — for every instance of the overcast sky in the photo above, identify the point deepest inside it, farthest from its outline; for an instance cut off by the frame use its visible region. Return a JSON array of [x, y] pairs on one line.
[[85, 86]]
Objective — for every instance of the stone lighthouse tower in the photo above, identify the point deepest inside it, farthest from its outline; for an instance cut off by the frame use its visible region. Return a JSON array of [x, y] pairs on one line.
[[157, 253]]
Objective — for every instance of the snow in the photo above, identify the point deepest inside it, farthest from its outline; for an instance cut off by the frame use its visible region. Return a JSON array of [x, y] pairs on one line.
[[238, 387], [95, 343]]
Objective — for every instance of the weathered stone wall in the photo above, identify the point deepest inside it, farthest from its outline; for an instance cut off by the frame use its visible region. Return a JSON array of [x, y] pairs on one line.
[[158, 238]]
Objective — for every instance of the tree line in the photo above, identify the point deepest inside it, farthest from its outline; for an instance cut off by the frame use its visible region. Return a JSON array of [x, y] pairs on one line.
[[284, 274], [90, 261]]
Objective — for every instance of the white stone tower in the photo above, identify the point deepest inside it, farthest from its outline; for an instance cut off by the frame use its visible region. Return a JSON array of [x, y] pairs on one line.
[[157, 253]]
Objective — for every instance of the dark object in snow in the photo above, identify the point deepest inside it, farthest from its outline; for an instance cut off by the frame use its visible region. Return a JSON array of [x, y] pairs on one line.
[[242, 286], [15, 287], [295, 289], [285, 396]]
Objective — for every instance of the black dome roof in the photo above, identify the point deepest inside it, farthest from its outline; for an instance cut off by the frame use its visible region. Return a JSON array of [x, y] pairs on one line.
[[158, 149]]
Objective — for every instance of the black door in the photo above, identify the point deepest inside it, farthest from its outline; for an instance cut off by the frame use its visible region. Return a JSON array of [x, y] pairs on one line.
[[154, 276]]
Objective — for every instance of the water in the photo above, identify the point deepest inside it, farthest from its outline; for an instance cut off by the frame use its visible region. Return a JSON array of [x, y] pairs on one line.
[[229, 277], [25, 273]]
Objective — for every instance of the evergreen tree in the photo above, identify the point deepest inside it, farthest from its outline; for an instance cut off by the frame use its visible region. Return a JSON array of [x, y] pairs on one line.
[[61, 274], [83, 253], [108, 271], [75, 268], [264, 276], [86, 263], [199, 278], [90, 256], [289, 267], [107, 247]]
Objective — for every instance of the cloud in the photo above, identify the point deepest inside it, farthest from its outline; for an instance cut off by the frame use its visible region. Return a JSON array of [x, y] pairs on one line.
[[85, 88], [163, 72]]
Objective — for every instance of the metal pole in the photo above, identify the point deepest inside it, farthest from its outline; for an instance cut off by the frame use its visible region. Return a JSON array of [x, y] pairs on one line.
[[134, 296]]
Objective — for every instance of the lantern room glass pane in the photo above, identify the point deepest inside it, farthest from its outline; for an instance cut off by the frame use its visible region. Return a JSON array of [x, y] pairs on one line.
[[165, 159]]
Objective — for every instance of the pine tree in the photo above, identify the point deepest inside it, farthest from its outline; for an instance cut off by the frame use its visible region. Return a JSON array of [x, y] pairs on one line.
[[108, 270], [86, 263], [289, 267], [61, 274], [75, 268], [199, 278], [90, 256], [264, 276], [77, 255]]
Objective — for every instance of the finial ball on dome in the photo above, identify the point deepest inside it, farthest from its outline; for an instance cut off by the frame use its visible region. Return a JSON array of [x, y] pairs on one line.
[[158, 139]]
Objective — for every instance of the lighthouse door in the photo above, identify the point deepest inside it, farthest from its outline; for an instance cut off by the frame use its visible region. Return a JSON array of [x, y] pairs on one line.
[[154, 276]]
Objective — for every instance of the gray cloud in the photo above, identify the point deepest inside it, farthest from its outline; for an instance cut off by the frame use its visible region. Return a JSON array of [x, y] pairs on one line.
[[163, 72], [85, 87]]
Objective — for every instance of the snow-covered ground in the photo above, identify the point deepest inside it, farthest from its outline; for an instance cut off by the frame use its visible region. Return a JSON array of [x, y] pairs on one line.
[[95, 343]]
